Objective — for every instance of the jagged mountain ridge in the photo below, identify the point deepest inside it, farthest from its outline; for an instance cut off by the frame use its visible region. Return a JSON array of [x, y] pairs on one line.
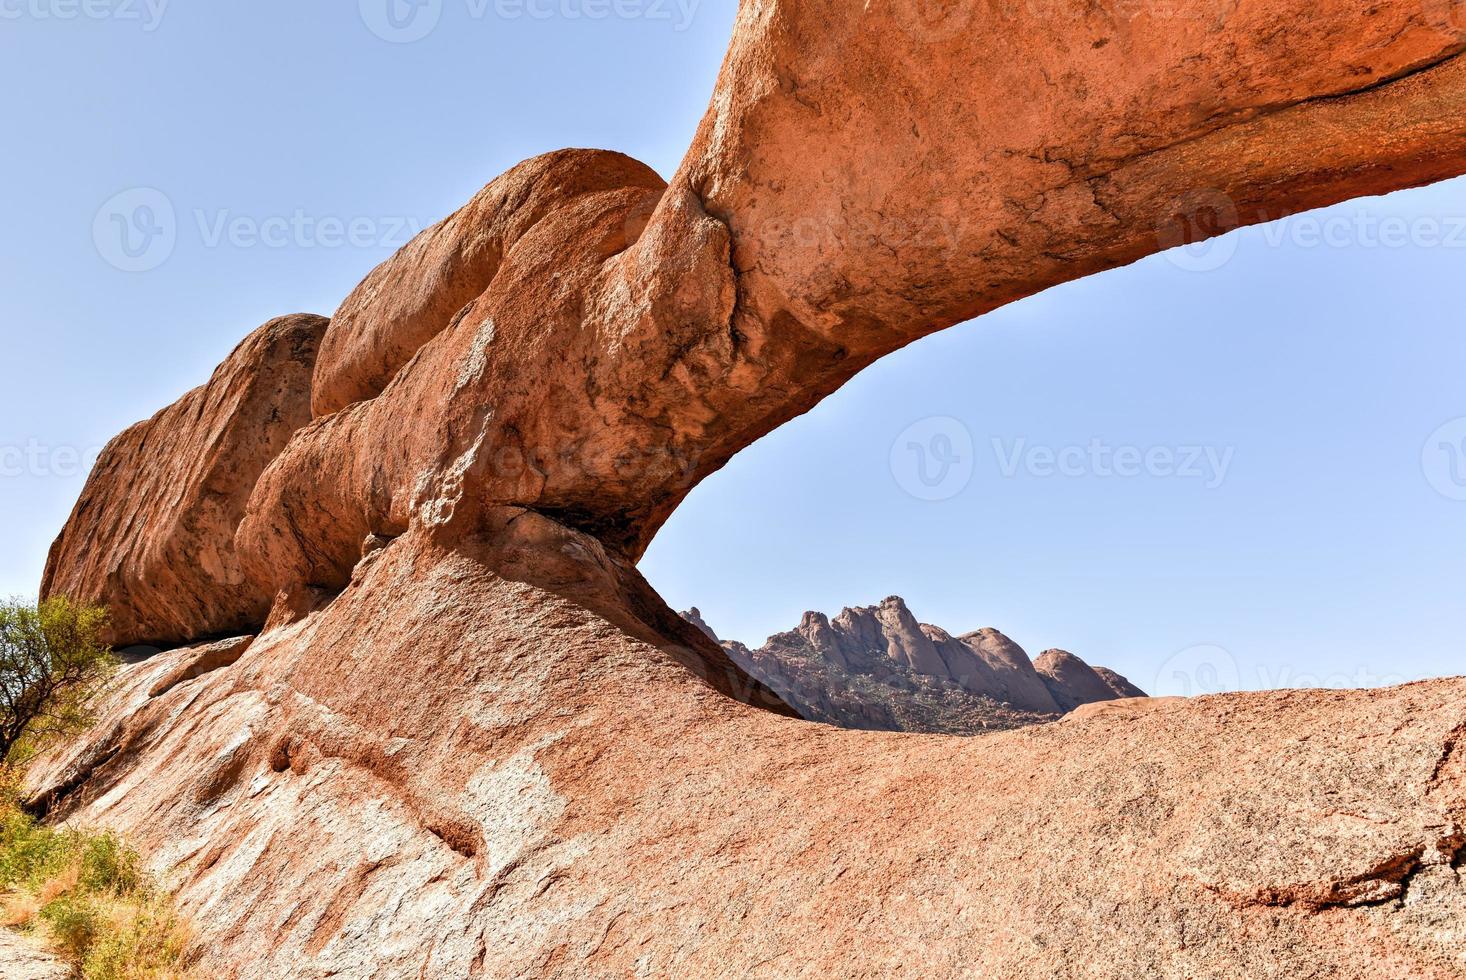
[[879, 668]]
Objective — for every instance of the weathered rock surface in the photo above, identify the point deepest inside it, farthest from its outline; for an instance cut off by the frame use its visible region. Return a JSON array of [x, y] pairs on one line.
[[631, 339], [469, 740], [152, 536], [449, 773], [1072, 682], [1123, 688], [23, 957], [417, 294], [877, 668]]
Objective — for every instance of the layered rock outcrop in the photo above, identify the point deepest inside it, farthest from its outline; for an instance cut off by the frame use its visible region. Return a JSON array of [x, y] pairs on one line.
[[877, 668], [152, 536], [469, 740]]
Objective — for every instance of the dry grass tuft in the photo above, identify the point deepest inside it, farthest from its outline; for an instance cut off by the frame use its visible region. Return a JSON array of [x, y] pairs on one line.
[[87, 894]]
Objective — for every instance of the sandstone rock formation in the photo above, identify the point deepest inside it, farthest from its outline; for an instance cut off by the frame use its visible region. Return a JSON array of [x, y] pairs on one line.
[[469, 740], [152, 536], [877, 668], [1073, 682]]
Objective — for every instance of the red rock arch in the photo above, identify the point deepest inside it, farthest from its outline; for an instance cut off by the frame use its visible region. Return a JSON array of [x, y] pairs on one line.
[[467, 743]]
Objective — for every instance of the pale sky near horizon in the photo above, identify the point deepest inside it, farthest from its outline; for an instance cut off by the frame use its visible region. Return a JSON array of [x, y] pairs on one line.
[[1239, 467]]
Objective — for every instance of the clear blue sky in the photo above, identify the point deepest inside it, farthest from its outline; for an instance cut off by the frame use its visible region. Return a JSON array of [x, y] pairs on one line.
[[1316, 538]]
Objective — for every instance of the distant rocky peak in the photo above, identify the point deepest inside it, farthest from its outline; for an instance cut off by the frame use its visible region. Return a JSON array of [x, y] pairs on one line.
[[1071, 681], [860, 668], [694, 616], [935, 633]]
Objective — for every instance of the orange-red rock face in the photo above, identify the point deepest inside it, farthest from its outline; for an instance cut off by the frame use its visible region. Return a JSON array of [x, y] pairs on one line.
[[416, 295], [473, 742], [450, 773], [152, 536], [581, 343]]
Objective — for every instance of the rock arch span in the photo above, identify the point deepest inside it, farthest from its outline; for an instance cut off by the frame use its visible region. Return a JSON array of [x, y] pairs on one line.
[[470, 740]]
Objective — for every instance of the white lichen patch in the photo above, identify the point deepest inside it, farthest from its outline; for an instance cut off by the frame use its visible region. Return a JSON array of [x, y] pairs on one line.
[[477, 361], [436, 496], [515, 805]]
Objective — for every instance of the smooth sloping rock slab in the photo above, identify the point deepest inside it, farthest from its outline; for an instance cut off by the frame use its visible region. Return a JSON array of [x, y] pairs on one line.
[[474, 743], [450, 773]]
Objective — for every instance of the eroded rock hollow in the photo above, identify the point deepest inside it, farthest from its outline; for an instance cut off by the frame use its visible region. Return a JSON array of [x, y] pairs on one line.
[[469, 740]]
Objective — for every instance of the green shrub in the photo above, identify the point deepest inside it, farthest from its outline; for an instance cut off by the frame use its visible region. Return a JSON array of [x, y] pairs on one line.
[[72, 922], [86, 892], [108, 867], [88, 895], [30, 854], [149, 944], [52, 664]]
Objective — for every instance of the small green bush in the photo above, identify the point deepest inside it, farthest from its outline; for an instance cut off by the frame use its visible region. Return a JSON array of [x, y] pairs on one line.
[[53, 663], [30, 854], [108, 867], [87, 893], [148, 945], [72, 922]]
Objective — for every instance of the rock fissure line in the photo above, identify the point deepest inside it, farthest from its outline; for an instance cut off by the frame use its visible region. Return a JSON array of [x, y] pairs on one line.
[[1262, 113]]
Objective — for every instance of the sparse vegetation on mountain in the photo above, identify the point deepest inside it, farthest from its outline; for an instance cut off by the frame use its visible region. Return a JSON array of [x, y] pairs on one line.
[[878, 668]]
